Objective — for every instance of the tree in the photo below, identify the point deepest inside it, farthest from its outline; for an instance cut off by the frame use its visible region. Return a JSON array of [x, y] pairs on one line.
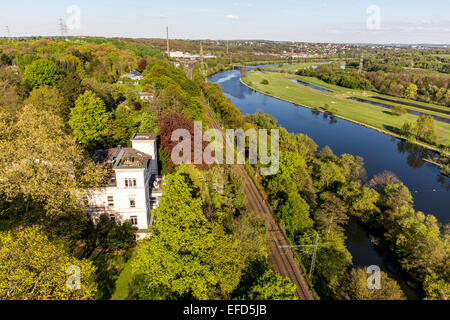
[[326, 153], [381, 180], [70, 88], [332, 260], [355, 286], [5, 60], [121, 236], [411, 91], [406, 128], [41, 73], [47, 98], [360, 201], [331, 214], [436, 289], [40, 163], [142, 64], [12, 91], [89, 120], [271, 286], [293, 215], [167, 125], [327, 175], [396, 195], [34, 268], [398, 110], [424, 128], [186, 255]]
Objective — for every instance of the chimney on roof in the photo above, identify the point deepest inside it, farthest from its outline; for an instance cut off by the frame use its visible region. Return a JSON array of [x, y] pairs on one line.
[[119, 146]]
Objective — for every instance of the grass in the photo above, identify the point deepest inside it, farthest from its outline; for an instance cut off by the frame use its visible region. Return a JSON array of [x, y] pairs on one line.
[[123, 282], [295, 66], [113, 274], [356, 92], [280, 86]]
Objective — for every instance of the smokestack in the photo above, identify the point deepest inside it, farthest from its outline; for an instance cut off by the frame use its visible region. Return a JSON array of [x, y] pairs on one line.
[[201, 50], [168, 49]]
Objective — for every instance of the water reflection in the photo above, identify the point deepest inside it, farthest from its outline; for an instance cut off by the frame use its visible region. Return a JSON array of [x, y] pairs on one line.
[[380, 152]]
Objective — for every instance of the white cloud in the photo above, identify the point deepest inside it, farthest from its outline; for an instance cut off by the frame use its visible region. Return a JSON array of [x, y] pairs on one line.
[[232, 17]]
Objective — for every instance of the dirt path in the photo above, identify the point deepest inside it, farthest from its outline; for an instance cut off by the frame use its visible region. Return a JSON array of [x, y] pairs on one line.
[[282, 260]]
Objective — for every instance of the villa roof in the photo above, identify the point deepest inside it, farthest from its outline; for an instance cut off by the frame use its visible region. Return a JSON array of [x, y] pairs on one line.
[[144, 136], [122, 158], [132, 74]]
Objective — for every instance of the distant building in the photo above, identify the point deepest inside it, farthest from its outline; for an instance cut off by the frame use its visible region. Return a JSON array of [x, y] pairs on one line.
[[133, 187], [145, 96], [187, 55], [133, 75], [176, 54]]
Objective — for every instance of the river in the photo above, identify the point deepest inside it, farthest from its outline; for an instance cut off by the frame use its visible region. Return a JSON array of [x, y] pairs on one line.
[[430, 189]]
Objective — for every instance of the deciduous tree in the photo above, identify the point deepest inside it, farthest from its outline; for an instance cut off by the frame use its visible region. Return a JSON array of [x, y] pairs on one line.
[[34, 268], [89, 120]]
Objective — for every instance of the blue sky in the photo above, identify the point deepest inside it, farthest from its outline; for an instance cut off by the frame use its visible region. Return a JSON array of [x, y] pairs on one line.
[[405, 21]]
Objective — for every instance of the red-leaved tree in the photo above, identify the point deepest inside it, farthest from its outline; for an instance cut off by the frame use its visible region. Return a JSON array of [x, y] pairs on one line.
[[167, 125]]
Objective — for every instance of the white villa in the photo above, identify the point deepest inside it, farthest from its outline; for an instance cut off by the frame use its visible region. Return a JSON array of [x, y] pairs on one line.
[[133, 186], [134, 75]]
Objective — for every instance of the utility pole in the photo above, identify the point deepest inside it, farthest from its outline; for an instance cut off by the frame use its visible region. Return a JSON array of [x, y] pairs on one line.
[[227, 47], [201, 58], [313, 262], [62, 27], [168, 48], [361, 63], [313, 258], [8, 33]]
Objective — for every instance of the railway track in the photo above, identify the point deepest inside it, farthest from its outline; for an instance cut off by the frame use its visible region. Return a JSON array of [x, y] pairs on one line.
[[282, 260]]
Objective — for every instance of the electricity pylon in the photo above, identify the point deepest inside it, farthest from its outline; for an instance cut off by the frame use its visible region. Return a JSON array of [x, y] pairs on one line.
[[313, 258], [62, 27]]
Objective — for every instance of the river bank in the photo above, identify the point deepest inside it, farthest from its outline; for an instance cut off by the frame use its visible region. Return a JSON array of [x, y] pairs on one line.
[[389, 133], [380, 152]]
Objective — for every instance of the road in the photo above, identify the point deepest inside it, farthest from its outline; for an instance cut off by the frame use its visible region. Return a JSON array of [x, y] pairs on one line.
[[282, 260]]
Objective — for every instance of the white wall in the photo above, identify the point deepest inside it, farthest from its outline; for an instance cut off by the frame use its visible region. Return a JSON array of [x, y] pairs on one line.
[[121, 196], [146, 146]]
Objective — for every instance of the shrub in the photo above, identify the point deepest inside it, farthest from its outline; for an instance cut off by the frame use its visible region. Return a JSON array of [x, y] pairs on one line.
[[398, 110]]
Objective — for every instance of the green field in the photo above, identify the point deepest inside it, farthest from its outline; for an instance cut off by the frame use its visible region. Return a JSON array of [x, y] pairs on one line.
[[280, 86], [294, 67], [367, 94]]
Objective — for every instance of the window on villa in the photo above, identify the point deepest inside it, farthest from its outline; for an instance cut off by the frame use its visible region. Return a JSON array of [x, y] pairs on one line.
[[110, 201], [112, 217], [129, 183], [132, 202], [134, 220]]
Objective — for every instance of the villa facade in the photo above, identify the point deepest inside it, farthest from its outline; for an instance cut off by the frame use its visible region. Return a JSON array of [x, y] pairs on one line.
[[132, 188]]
